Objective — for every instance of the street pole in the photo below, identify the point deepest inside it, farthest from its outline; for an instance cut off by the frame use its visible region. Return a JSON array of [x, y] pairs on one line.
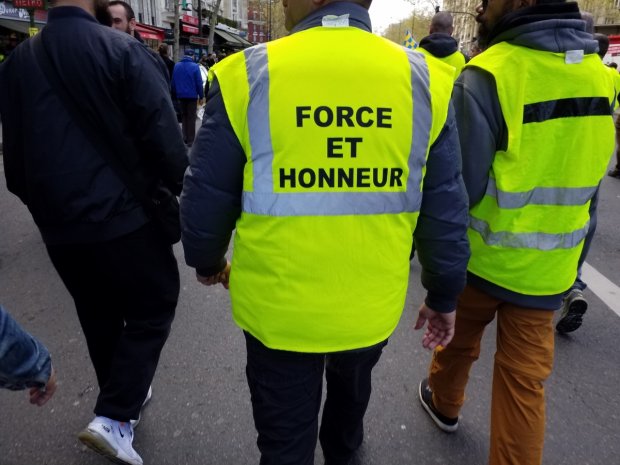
[[177, 31], [200, 25], [269, 13], [32, 24]]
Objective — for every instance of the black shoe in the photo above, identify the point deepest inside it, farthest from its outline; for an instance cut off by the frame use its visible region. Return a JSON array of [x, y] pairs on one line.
[[449, 425], [615, 173], [573, 309]]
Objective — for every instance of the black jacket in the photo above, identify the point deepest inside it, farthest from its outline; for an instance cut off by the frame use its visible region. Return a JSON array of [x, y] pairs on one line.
[[72, 193], [439, 44]]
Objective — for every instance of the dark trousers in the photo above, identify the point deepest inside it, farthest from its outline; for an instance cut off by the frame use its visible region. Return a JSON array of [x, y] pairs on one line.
[[188, 119], [286, 389], [125, 292]]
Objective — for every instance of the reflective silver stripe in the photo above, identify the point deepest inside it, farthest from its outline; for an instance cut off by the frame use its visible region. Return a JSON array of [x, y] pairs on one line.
[[422, 120], [259, 124], [541, 196], [263, 200], [538, 240]]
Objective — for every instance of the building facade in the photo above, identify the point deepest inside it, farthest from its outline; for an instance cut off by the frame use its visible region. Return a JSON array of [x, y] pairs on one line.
[[465, 25]]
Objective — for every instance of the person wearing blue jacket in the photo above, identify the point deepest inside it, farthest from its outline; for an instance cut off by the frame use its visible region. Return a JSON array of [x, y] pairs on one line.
[[187, 87], [24, 362]]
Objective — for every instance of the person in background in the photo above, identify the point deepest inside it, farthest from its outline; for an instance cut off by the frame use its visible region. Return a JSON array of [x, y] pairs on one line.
[[163, 53], [124, 18], [288, 149], [187, 87], [534, 116], [440, 43], [24, 362]]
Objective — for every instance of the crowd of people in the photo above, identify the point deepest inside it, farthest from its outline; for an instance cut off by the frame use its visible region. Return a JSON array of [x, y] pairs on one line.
[[488, 170]]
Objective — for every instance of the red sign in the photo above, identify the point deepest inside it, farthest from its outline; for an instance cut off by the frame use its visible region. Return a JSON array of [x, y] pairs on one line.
[[29, 4], [189, 29], [187, 19], [199, 40]]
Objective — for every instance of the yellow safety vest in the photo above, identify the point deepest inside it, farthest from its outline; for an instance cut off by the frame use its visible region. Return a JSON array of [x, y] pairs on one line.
[[527, 233], [332, 184], [456, 60], [615, 75]]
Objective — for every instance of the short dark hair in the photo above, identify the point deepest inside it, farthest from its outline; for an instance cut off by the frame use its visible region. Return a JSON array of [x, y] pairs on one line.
[[128, 9]]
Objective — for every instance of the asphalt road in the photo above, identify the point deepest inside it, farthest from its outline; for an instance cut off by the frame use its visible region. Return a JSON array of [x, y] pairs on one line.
[[201, 415]]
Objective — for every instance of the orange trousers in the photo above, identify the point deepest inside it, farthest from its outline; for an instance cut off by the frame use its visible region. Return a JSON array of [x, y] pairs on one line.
[[523, 361]]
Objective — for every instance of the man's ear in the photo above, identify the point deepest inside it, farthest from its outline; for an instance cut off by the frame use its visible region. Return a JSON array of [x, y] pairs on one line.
[[525, 3], [132, 24]]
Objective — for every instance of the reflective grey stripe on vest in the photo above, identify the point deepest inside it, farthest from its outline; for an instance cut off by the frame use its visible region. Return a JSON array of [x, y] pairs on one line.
[[263, 200], [539, 241], [541, 196]]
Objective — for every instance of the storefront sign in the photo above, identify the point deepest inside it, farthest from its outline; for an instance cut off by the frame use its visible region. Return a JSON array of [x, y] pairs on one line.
[[189, 29], [40, 4], [199, 40], [10, 11], [7, 10], [187, 19]]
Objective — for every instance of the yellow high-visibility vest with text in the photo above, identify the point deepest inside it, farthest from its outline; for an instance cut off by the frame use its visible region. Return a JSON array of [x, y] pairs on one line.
[[336, 148]]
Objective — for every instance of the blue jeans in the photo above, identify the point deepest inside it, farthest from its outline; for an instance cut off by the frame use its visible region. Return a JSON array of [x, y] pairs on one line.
[[24, 361]]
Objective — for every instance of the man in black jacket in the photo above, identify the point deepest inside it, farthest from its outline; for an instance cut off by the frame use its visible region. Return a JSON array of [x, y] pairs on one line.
[[440, 43], [116, 263]]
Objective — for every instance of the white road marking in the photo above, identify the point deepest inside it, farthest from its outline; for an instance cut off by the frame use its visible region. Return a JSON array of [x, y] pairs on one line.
[[604, 289]]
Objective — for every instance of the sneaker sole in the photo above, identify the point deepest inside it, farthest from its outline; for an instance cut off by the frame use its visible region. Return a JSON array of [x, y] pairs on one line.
[[441, 425], [97, 443], [149, 395], [573, 318]]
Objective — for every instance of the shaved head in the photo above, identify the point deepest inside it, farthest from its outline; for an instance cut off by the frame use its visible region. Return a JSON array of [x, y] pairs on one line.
[[441, 22]]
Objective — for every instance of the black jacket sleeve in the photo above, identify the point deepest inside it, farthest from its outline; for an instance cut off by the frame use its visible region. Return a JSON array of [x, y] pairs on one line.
[[211, 198], [153, 122], [12, 134], [441, 233]]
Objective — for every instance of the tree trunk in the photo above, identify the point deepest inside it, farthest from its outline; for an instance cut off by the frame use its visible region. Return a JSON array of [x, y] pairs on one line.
[[212, 23]]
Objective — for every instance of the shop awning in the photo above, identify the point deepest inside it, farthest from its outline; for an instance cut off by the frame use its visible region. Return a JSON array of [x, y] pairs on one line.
[[232, 40], [18, 26], [150, 32]]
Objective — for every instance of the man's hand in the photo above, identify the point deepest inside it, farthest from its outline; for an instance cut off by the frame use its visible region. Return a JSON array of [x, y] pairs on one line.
[[440, 327], [221, 277], [39, 396]]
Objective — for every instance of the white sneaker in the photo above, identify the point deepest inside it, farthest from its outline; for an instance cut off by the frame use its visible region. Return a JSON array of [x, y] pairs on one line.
[[134, 423], [112, 439]]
